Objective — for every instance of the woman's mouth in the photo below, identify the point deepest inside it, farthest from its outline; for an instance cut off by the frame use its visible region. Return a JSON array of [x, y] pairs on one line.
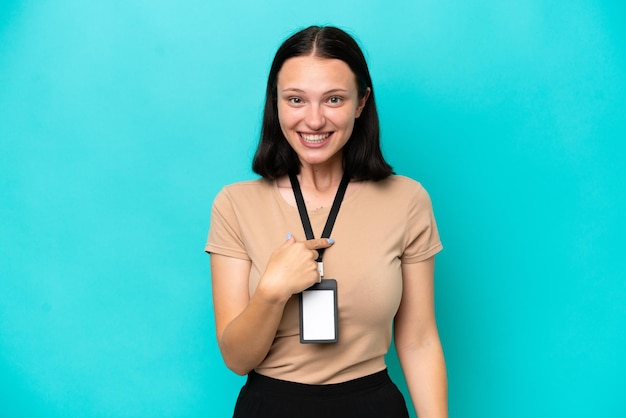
[[314, 139]]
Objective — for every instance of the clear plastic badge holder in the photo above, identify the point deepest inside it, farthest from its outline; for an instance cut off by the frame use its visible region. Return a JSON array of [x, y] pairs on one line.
[[318, 304]]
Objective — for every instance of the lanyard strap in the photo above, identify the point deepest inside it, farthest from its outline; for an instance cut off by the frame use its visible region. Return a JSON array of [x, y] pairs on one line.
[[334, 210]]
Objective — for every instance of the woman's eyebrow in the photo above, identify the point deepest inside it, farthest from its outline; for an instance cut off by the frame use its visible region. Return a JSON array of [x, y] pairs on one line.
[[297, 90]]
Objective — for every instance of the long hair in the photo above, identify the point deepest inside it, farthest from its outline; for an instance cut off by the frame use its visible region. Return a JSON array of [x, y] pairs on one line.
[[362, 156]]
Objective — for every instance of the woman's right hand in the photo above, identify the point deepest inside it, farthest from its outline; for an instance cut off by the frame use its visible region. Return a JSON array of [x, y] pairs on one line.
[[291, 269], [246, 326]]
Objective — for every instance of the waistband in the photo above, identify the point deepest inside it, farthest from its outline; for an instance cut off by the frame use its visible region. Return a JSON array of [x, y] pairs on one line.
[[276, 386]]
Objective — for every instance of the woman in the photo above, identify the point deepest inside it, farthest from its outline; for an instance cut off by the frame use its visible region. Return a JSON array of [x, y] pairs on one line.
[[320, 126]]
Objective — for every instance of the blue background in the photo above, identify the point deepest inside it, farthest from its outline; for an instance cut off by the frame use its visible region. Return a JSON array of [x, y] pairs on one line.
[[121, 120]]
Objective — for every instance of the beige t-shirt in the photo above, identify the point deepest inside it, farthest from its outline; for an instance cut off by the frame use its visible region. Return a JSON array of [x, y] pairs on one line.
[[379, 226]]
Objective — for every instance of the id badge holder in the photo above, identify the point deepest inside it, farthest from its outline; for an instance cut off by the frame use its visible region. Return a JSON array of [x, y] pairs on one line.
[[318, 313]]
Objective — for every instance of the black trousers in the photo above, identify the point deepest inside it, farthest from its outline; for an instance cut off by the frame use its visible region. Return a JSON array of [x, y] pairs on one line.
[[373, 396]]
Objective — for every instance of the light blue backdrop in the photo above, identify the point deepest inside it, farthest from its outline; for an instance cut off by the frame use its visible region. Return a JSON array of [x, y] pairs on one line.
[[121, 120]]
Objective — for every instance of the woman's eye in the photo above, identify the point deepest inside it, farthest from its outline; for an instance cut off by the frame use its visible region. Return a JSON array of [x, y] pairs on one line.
[[335, 100], [295, 100]]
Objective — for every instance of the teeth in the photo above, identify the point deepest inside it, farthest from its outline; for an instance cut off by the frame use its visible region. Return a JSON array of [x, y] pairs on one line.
[[315, 138]]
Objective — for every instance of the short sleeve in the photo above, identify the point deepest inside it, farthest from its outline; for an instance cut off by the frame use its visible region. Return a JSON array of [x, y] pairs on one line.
[[224, 231], [422, 236]]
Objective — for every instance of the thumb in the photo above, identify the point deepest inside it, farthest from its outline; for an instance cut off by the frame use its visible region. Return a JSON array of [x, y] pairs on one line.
[[316, 244]]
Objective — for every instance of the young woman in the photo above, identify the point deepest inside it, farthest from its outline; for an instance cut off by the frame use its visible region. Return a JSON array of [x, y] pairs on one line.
[[320, 134]]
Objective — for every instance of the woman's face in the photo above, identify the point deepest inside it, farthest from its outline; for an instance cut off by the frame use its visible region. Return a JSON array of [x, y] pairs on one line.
[[318, 103]]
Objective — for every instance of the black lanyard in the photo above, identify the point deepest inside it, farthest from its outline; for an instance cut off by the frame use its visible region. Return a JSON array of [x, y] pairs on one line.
[[334, 210]]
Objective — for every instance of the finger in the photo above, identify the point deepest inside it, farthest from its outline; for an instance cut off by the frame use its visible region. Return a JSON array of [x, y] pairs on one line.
[[316, 244], [289, 240]]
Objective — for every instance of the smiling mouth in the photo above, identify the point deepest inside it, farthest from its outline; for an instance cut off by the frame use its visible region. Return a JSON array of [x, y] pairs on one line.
[[314, 139]]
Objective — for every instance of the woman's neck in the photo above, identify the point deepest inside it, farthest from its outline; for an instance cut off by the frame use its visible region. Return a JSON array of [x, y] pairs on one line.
[[320, 180]]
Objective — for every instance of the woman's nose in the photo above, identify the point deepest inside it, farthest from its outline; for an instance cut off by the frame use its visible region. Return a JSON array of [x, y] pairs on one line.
[[315, 117]]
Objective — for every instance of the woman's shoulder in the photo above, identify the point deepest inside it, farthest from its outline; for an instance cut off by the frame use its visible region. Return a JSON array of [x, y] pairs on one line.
[[249, 185], [400, 192], [248, 190], [399, 184]]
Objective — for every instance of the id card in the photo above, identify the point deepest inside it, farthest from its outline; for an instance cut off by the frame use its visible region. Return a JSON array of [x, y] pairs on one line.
[[318, 313]]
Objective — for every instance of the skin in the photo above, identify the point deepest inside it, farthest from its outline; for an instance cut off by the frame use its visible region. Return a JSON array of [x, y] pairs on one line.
[[318, 103], [417, 341], [318, 98]]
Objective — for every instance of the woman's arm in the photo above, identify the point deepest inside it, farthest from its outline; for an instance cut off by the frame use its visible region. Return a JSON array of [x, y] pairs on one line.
[[417, 341], [246, 325]]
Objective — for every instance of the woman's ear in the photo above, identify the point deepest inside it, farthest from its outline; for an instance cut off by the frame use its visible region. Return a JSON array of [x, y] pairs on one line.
[[362, 102]]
